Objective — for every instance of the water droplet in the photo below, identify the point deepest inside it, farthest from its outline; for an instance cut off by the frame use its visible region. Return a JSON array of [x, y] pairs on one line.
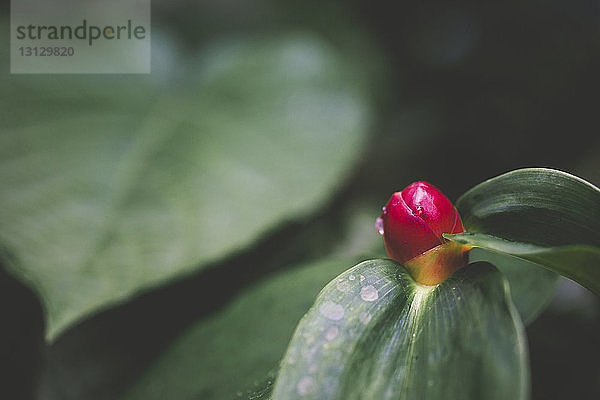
[[305, 385], [331, 333], [343, 286], [379, 225], [369, 293], [352, 277], [364, 317], [309, 355], [418, 211], [362, 278], [332, 311]]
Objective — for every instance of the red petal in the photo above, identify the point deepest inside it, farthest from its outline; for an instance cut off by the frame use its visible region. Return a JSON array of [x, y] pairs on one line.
[[405, 234], [433, 207]]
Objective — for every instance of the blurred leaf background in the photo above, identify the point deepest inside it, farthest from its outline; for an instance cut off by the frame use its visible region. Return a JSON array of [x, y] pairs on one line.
[[376, 97]]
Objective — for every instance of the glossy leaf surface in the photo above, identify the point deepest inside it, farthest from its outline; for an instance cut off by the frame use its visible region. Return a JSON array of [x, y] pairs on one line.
[[543, 216], [578, 262], [375, 334], [531, 287], [116, 186], [539, 206]]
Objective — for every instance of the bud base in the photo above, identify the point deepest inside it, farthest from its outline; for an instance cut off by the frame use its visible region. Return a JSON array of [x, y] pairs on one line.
[[436, 265]]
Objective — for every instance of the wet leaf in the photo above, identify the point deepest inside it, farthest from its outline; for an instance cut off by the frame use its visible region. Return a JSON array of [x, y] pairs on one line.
[[373, 333]]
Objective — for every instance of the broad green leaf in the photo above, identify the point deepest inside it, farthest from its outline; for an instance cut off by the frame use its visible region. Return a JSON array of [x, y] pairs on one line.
[[226, 353], [110, 186], [544, 216], [373, 333], [539, 206], [580, 263], [531, 287]]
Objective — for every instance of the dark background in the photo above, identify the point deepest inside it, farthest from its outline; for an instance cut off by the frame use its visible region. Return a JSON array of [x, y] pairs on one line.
[[480, 87]]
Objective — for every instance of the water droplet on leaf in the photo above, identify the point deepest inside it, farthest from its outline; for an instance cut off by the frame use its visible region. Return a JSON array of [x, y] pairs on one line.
[[365, 317], [305, 385], [369, 293], [344, 286], [331, 333], [332, 311]]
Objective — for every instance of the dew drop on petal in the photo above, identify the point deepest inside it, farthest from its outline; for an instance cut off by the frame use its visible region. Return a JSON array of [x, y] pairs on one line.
[[352, 277], [379, 225], [332, 311], [369, 293], [418, 211]]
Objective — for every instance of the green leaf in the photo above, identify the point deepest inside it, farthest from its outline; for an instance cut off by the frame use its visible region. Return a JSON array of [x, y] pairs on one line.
[[577, 262], [229, 352], [111, 186], [539, 206], [531, 287], [373, 333], [262, 391], [543, 216]]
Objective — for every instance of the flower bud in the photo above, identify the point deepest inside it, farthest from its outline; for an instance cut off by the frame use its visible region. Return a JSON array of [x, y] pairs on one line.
[[412, 224]]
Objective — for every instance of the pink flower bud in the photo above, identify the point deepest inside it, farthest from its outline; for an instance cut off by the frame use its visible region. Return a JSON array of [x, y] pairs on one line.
[[412, 224]]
